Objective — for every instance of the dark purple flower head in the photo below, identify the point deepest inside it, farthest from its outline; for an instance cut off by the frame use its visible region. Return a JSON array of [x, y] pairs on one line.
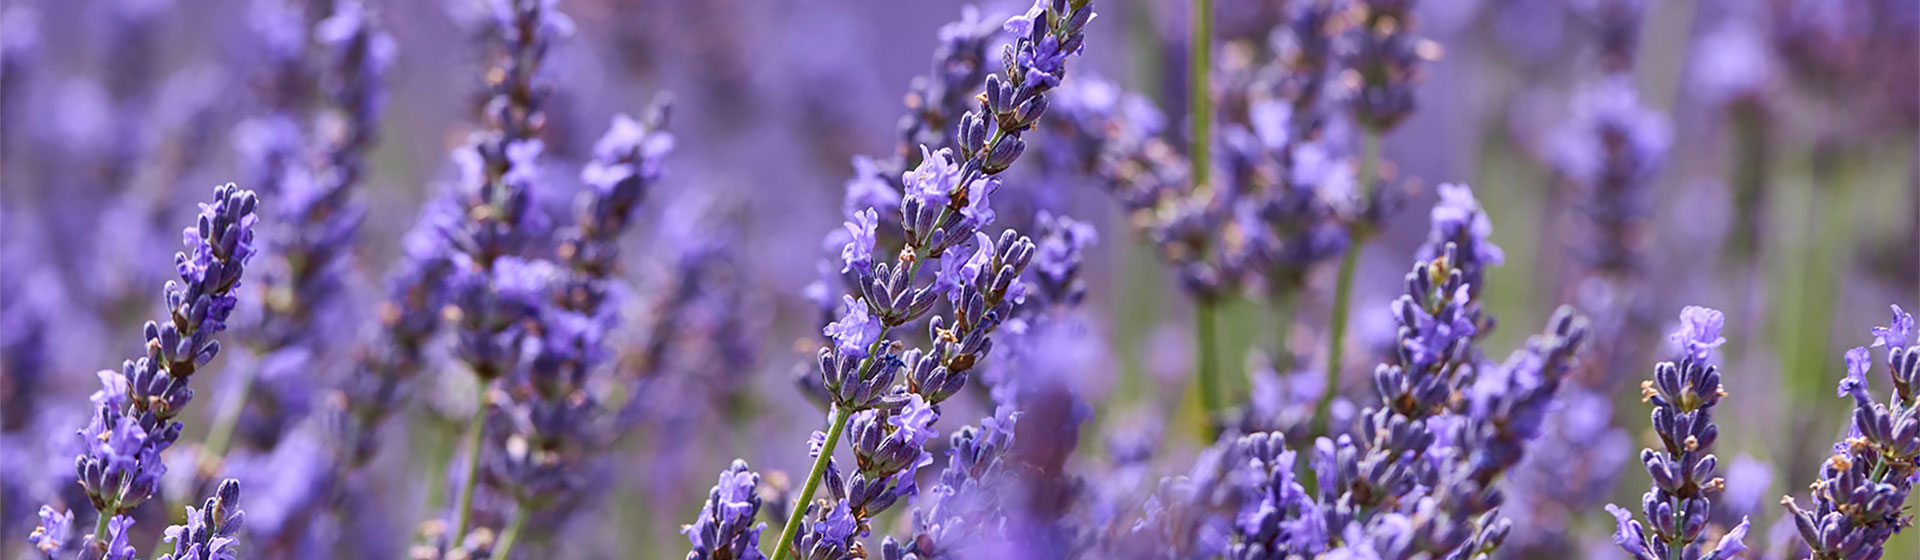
[[726, 529], [1389, 59], [1277, 518]]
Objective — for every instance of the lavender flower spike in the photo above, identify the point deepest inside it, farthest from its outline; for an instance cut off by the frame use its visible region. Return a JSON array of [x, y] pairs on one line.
[[211, 532], [725, 529], [134, 410], [1684, 482], [1860, 499]]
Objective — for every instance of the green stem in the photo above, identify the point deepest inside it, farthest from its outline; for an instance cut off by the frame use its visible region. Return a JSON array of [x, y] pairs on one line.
[[1343, 289], [1283, 314], [220, 436], [504, 550], [476, 427], [799, 506], [1210, 395], [1200, 92], [100, 527]]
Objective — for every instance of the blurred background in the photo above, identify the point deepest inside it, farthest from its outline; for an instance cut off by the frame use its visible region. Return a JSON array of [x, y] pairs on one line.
[[1777, 139]]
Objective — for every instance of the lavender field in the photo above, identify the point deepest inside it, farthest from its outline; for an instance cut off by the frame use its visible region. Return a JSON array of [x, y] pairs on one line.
[[936, 280]]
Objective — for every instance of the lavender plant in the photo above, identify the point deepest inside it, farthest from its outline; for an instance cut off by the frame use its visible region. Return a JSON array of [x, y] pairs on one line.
[[133, 420], [500, 292], [1684, 479], [945, 206], [1859, 501]]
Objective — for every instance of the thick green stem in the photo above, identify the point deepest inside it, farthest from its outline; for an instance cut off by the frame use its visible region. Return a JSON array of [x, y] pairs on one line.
[[1211, 398], [476, 427], [504, 550], [1343, 290], [799, 505]]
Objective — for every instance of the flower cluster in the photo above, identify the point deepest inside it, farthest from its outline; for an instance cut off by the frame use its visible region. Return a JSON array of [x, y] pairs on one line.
[[1685, 484], [133, 422], [134, 410], [1860, 499], [726, 529]]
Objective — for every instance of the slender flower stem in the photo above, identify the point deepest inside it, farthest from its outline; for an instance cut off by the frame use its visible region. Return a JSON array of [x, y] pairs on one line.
[[475, 429], [1284, 309], [799, 507], [100, 527], [1200, 92], [1211, 397], [504, 550], [220, 436], [1343, 289], [1200, 113]]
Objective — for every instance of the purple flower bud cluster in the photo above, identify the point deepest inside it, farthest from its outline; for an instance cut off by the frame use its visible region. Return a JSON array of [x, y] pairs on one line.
[[552, 417], [958, 515], [726, 528], [316, 223], [211, 532], [1685, 483], [1859, 501], [538, 363], [120, 463], [134, 410], [1390, 60]]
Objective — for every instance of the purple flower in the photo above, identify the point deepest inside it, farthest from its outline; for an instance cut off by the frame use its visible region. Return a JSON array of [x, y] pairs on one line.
[[1459, 222], [52, 535], [117, 547], [856, 331], [1896, 333], [1699, 331], [211, 531], [857, 255], [1683, 467], [1862, 489], [1627, 533], [1859, 362], [120, 463], [935, 180], [868, 189], [726, 528]]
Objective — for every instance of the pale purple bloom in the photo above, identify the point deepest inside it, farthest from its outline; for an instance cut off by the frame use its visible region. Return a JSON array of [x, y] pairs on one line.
[[855, 331], [936, 179], [1897, 333], [1699, 331], [1859, 362], [56, 528], [857, 255]]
